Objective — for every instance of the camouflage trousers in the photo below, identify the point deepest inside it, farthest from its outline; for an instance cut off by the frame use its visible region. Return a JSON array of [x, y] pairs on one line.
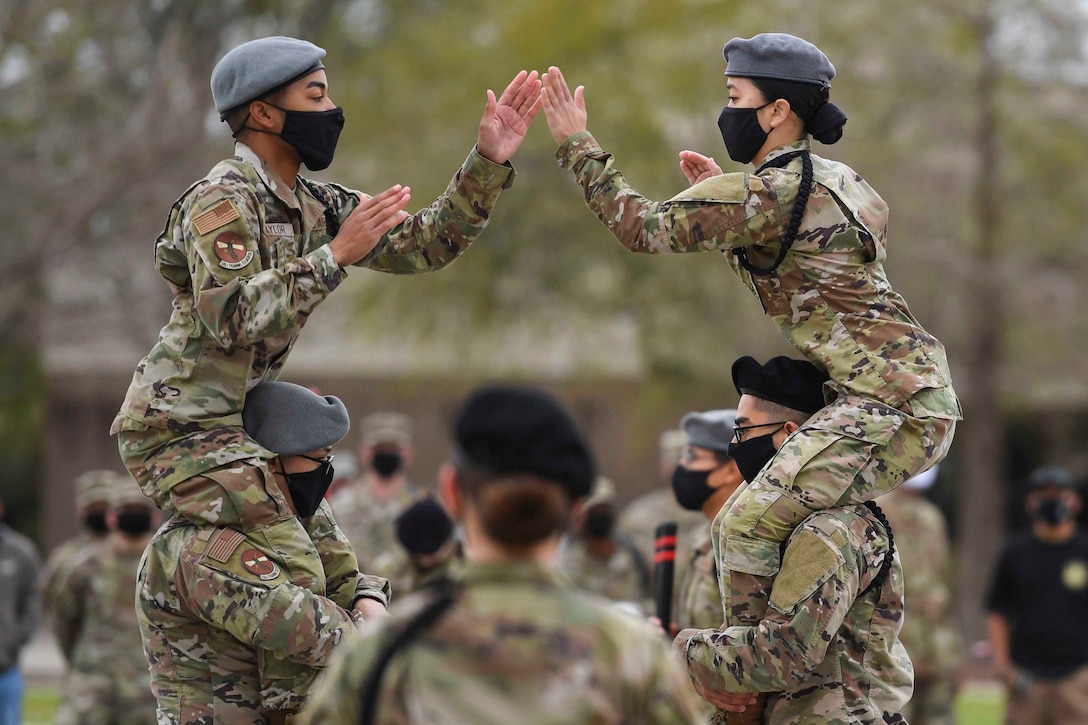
[[851, 451], [241, 494], [102, 698]]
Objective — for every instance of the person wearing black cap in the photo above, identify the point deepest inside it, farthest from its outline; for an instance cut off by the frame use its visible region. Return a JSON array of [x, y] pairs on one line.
[[511, 641], [235, 625], [426, 549], [1036, 606], [821, 640], [252, 248]]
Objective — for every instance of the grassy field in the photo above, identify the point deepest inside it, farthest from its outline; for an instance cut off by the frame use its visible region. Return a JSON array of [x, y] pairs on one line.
[[978, 705]]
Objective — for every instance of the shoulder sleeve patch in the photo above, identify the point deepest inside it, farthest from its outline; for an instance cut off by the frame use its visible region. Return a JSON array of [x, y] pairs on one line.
[[223, 543], [808, 562], [219, 215]]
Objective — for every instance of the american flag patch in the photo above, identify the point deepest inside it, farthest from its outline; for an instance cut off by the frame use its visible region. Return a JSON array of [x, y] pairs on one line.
[[220, 214], [223, 544]]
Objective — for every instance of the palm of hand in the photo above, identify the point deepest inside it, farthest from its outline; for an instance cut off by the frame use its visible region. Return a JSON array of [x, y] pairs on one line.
[[501, 133]]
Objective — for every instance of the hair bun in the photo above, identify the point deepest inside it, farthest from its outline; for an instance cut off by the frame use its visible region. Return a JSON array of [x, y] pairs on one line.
[[826, 124]]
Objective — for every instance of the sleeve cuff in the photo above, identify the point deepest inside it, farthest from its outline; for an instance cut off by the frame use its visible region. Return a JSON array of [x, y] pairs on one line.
[[575, 147], [373, 587], [491, 173], [325, 268]]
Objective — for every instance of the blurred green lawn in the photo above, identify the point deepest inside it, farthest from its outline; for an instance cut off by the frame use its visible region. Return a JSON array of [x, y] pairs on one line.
[[978, 705]]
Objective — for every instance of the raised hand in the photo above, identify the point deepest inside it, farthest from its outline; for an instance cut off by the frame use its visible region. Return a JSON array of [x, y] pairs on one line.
[[698, 167], [506, 120], [566, 113], [367, 223]]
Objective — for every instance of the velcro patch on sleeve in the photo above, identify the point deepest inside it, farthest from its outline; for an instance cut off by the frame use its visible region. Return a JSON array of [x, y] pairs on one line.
[[731, 188], [223, 544], [809, 561], [219, 215]]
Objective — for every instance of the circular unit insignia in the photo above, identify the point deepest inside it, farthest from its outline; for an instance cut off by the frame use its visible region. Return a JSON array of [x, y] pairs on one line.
[[256, 562], [231, 251]]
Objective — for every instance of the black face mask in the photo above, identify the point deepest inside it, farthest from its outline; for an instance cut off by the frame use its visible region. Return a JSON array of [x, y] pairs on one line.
[[307, 489], [741, 132], [96, 522], [1052, 511], [599, 524], [691, 488], [386, 463], [752, 455], [313, 134], [134, 523]]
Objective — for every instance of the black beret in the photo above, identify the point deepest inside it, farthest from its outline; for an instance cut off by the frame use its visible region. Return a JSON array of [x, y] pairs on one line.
[[424, 527], [514, 429], [253, 69], [778, 55], [289, 419], [796, 384]]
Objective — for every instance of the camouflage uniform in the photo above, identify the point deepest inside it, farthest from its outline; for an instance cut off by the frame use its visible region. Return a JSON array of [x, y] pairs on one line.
[[248, 259], [91, 487], [623, 577], [699, 600], [230, 631], [367, 521], [828, 646], [516, 646], [96, 628], [893, 410], [928, 631]]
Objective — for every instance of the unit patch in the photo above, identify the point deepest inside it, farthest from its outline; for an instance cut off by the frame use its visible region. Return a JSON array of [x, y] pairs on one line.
[[255, 562], [231, 251]]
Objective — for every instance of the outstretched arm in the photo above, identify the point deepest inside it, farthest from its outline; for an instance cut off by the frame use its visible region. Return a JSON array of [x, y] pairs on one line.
[[506, 120]]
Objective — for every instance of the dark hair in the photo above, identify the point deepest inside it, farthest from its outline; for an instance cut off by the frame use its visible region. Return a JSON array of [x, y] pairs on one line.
[[517, 510], [779, 411], [823, 119]]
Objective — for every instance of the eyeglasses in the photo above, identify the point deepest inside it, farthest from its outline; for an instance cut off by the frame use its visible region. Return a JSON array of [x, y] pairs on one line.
[[740, 430]]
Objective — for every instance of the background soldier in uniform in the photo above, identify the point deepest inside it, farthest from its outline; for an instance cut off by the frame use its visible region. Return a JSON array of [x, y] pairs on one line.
[[510, 642], [601, 560], [20, 608], [427, 547], [366, 509], [95, 623], [929, 634], [92, 496], [704, 479], [808, 237], [826, 649], [249, 252], [230, 633]]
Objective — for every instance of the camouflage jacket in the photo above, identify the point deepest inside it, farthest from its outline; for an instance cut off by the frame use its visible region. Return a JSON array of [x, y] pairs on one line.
[[59, 565], [622, 577], [248, 260], [367, 521], [830, 297], [828, 646], [228, 631], [929, 634], [700, 600], [96, 627], [516, 646]]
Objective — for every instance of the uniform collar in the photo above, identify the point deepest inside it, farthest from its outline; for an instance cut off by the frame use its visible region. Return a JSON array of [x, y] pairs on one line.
[[270, 178], [802, 145]]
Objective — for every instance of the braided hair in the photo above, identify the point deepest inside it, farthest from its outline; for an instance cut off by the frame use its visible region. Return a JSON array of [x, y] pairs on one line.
[[886, 565]]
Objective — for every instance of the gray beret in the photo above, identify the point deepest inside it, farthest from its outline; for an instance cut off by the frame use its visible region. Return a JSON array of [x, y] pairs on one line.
[[290, 419], [712, 429], [255, 68], [778, 55]]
